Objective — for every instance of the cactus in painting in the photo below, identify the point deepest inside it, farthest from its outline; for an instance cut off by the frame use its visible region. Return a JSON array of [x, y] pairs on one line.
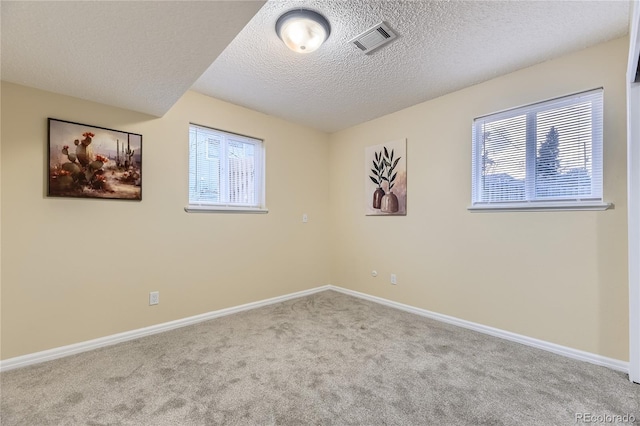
[[95, 174], [128, 155], [81, 148], [81, 169], [71, 166], [78, 170], [72, 157]]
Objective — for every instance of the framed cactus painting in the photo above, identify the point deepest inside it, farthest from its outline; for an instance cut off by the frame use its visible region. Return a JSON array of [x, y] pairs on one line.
[[386, 179], [93, 162]]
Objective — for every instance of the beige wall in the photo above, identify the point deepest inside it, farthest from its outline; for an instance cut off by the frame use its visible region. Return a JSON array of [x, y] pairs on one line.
[[74, 269], [555, 276], [78, 269]]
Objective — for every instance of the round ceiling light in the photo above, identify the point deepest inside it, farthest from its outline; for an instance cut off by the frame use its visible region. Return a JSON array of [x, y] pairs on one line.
[[303, 30]]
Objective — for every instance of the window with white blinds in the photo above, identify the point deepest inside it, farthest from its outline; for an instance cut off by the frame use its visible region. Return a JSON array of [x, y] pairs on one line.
[[226, 170], [546, 155]]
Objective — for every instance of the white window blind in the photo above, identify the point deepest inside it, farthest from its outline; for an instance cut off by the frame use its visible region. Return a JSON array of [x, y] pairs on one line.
[[225, 170], [549, 153]]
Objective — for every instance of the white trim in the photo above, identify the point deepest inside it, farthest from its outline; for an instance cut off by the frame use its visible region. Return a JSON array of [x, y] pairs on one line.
[[592, 358], [63, 351], [538, 206], [633, 192], [222, 209], [55, 353]]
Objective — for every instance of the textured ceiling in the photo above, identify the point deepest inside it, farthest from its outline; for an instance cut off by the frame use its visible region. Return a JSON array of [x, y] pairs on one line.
[[143, 55], [442, 46], [137, 55]]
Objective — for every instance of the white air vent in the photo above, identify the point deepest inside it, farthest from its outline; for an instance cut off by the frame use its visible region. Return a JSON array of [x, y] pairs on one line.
[[374, 37]]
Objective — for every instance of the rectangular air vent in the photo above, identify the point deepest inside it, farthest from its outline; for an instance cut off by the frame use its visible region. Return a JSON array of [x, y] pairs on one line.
[[374, 37]]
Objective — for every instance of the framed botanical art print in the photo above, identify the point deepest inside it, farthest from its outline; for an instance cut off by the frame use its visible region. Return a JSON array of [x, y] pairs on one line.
[[385, 179]]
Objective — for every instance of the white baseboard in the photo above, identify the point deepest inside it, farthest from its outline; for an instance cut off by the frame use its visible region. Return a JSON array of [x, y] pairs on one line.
[[51, 354], [592, 358]]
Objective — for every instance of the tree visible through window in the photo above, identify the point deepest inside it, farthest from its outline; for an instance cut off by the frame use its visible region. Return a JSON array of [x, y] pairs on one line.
[[547, 152]]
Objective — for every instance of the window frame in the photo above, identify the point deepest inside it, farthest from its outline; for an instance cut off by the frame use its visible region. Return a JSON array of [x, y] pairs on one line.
[[229, 207], [595, 201]]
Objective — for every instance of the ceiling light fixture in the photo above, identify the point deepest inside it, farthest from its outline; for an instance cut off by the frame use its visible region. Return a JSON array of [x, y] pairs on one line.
[[303, 30]]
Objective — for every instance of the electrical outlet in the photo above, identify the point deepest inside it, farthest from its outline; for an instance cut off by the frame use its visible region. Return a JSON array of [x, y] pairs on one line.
[[305, 218], [154, 298], [394, 280]]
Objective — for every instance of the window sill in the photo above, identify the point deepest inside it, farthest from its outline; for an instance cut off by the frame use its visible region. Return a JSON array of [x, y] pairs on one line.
[[542, 206], [224, 209]]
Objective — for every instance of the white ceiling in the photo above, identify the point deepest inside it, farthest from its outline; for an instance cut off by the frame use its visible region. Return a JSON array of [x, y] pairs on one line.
[[144, 55], [139, 55]]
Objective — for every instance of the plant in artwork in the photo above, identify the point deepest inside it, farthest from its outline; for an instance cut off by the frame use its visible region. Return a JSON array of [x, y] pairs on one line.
[[82, 169], [389, 201], [386, 179], [100, 166], [383, 170], [378, 178]]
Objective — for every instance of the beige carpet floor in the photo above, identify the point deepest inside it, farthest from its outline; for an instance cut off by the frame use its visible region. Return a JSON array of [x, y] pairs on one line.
[[325, 359]]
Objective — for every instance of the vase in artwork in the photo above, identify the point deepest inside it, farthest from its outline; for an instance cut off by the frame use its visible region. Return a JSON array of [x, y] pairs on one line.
[[389, 203], [377, 197]]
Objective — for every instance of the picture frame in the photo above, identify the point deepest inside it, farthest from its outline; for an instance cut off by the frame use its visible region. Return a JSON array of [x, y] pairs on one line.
[[86, 161], [385, 179]]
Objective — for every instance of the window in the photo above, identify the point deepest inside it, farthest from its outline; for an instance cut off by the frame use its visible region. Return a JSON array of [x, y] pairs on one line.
[[226, 171], [542, 156]]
